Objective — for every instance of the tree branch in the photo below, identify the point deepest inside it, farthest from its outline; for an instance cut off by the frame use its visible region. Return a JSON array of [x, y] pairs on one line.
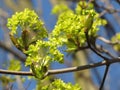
[[89, 44], [84, 67], [102, 50], [65, 70], [104, 77], [107, 41], [24, 73], [110, 10]]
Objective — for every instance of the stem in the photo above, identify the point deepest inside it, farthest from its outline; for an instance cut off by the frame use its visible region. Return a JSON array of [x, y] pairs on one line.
[[88, 42], [65, 70], [104, 77], [16, 72]]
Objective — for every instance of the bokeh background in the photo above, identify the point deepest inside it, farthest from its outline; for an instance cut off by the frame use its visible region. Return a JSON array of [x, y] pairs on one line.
[[88, 79]]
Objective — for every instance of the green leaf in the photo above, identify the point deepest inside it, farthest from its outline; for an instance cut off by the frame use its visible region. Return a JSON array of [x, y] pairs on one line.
[[59, 9], [115, 39], [58, 84], [14, 65], [39, 72], [28, 25], [25, 38], [15, 41]]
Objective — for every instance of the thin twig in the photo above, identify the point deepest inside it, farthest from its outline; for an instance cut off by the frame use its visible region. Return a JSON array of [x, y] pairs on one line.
[[110, 10], [102, 13], [104, 77], [107, 41], [102, 50], [89, 44], [84, 67], [25, 73], [118, 1], [65, 70]]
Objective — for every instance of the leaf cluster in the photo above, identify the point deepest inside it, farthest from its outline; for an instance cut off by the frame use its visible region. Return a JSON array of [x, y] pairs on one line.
[[26, 28], [58, 84], [116, 39], [71, 25], [28, 34]]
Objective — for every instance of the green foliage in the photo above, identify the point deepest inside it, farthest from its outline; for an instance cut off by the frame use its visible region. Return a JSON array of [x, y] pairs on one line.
[[14, 65], [6, 80], [43, 52], [71, 25], [30, 36], [58, 9], [32, 32], [115, 39], [60, 85], [41, 55], [26, 28]]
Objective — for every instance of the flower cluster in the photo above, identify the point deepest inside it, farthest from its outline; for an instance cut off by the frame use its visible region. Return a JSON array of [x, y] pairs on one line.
[[30, 36]]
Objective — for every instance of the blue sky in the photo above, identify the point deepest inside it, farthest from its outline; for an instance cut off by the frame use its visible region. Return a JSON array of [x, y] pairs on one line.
[[49, 19]]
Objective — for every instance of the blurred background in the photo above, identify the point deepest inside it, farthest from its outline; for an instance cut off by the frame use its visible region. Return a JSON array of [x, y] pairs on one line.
[[87, 79]]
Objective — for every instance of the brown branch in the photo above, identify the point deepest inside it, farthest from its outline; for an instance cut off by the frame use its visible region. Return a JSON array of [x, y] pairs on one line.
[[97, 49], [102, 50], [107, 9], [104, 77], [89, 44], [118, 1], [84, 67], [102, 13], [107, 41], [99, 54], [110, 10], [16, 72], [5, 47], [65, 70], [73, 69]]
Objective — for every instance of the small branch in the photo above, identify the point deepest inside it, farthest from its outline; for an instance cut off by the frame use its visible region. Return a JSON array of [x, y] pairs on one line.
[[104, 77], [102, 50], [107, 41], [5, 47], [102, 13], [89, 44], [110, 10], [80, 68], [16, 72], [118, 1], [65, 70], [73, 69]]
